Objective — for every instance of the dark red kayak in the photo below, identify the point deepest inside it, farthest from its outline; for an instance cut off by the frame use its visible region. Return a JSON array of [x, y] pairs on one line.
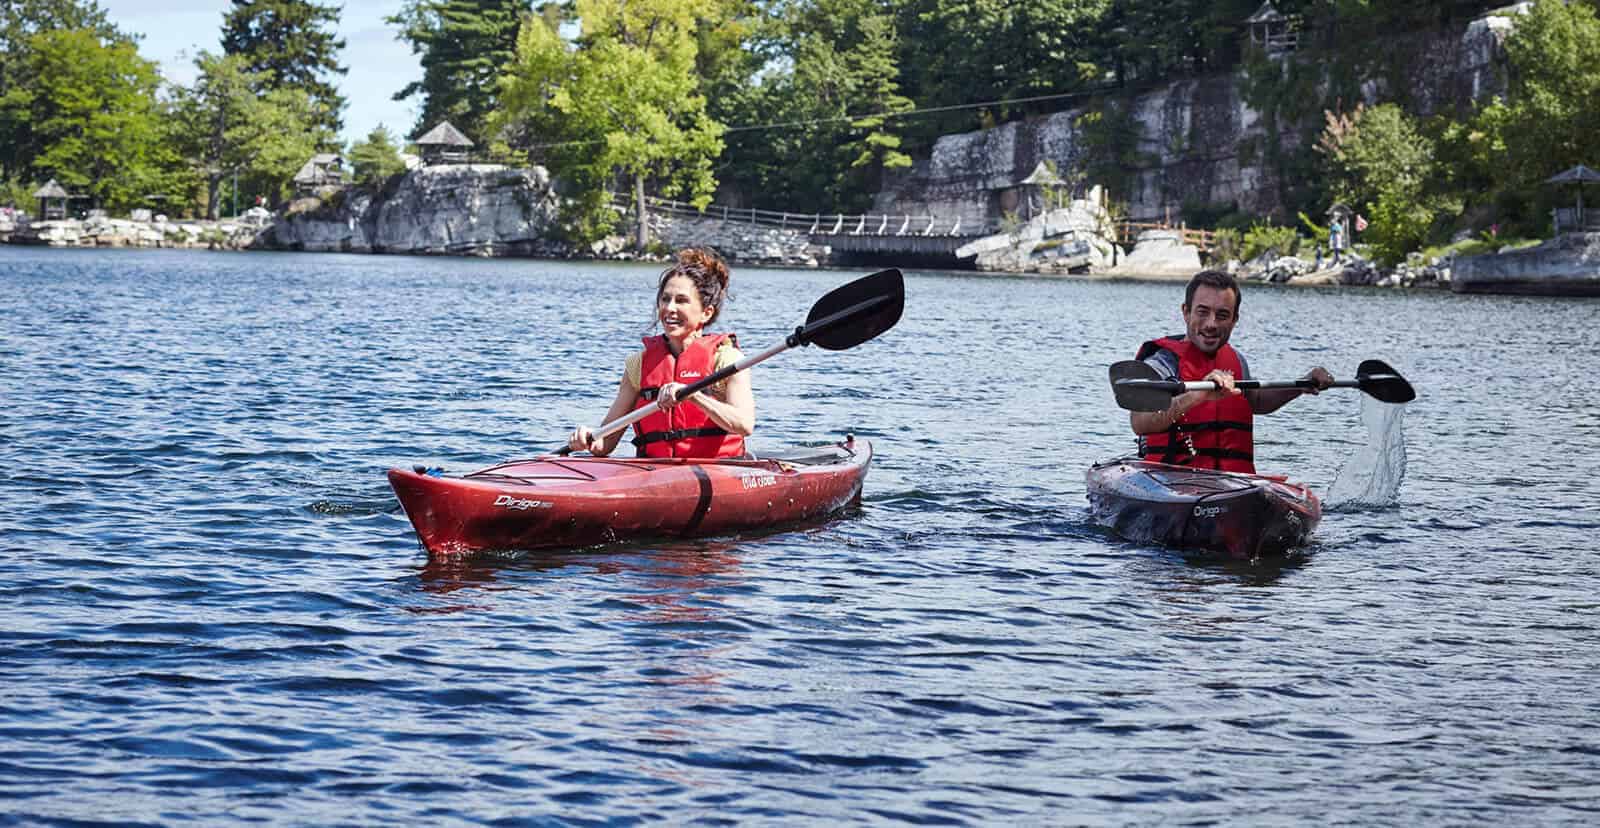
[[577, 501], [1239, 516]]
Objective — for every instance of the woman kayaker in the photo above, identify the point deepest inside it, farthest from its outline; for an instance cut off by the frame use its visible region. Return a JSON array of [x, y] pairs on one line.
[[710, 423]]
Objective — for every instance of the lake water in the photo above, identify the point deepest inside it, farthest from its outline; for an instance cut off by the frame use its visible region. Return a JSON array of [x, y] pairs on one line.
[[214, 611]]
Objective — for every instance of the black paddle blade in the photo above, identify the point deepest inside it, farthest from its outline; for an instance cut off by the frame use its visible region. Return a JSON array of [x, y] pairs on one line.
[[854, 313], [1384, 383], [1139, 387]]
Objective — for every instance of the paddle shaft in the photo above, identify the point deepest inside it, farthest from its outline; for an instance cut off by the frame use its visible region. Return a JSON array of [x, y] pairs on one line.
[[1246, 385]]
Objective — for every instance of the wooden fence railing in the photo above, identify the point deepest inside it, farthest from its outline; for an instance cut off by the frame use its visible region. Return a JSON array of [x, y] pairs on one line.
[[1128, 232]]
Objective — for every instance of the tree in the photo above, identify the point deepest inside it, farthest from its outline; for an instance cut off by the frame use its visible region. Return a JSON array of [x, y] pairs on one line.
[[377, 157], [1550, 119], [19, 21], [836, 90], [1382, 163], [94, 113], [973, 51], [286, 44], [623, 100], [463, 45], [229, 131]]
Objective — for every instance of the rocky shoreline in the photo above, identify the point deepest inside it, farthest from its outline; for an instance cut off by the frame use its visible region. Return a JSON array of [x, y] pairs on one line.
[[487, 210]]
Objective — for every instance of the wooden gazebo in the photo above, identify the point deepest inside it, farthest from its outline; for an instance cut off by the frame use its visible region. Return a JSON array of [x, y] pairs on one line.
[[1272, 30], [325, 169], [1042, 180], [52, 200], [444, 144]]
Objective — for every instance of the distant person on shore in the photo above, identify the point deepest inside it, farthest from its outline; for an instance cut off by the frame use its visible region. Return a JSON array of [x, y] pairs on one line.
[[710, 423], [1208, 429], [1336, 238]]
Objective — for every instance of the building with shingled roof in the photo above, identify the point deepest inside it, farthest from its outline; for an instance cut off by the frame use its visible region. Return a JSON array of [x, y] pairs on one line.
[[52, 192], [444, 144]]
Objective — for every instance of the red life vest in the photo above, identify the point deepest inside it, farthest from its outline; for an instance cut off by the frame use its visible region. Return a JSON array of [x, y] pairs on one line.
[[686, 431], [1212, 434]]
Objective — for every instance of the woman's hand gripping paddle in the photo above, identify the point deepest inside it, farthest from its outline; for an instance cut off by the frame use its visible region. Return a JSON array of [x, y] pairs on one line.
[[846, 317], [1139, 387]]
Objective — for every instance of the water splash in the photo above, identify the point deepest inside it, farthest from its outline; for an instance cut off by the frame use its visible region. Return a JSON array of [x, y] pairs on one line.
[[1371, 478]]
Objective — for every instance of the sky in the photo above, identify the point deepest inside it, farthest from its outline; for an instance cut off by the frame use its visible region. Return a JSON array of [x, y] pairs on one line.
[[175, 31]]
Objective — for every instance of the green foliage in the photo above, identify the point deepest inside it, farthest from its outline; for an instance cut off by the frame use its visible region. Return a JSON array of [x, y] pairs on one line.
[[1382, 164], [93, 111], [1312, 228], [230, 131], [15, 192], [1374, 153], [1547, 123], [376, 158], [20, 20], [1398, 227], [463, 45], [624, 101], [1263, 237], [833, 80], [1226, 244], [287, 44], [1478, 247], [967, 51]]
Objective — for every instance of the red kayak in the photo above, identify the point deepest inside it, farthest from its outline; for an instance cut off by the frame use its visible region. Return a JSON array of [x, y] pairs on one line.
[[1240, 516], [577, 501]]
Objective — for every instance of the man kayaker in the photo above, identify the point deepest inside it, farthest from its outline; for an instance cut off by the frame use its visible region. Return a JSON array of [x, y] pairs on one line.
[[1210, 429], [710, 423]]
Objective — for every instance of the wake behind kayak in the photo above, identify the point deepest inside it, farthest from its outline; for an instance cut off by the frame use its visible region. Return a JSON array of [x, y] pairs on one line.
[[553, 502]]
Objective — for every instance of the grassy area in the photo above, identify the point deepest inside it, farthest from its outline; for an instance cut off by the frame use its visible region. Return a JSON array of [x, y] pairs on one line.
[[1477, 247]]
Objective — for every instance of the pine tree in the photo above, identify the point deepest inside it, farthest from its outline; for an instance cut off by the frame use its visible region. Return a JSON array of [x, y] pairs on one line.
[[463, 45], [292, 40]]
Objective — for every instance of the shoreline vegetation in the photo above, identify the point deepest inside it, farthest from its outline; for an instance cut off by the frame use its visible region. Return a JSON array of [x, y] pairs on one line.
[[1432, 128]]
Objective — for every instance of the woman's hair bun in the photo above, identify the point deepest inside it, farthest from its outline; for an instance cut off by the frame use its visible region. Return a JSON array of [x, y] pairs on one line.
[[707, 270]]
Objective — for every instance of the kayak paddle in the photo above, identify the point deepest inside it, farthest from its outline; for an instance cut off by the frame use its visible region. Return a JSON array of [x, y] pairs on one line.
[[846, 317], [1139, 387]]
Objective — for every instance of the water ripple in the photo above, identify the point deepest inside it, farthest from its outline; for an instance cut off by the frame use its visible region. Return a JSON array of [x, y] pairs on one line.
[[217, 613]]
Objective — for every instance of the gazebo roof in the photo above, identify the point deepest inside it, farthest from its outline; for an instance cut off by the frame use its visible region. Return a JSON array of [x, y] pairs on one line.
[[1577, 174], [1268, 13], [317, 169], [1339, 209], [51, 190], [444, 135], [1042, 175]]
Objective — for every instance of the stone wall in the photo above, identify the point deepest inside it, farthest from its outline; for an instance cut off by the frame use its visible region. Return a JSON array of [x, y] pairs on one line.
[[1200, 139], [739, 241], [233, 234]]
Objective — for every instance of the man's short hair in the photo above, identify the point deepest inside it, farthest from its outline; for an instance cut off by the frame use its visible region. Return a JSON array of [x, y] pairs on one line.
[[1219, 279]]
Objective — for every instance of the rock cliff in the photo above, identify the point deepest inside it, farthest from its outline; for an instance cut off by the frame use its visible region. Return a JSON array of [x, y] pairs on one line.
[[478, 209], [1199, 142]]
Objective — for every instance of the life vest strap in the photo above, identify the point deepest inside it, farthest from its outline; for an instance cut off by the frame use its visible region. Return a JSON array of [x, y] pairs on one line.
[[678, 434], [1215, 425]]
